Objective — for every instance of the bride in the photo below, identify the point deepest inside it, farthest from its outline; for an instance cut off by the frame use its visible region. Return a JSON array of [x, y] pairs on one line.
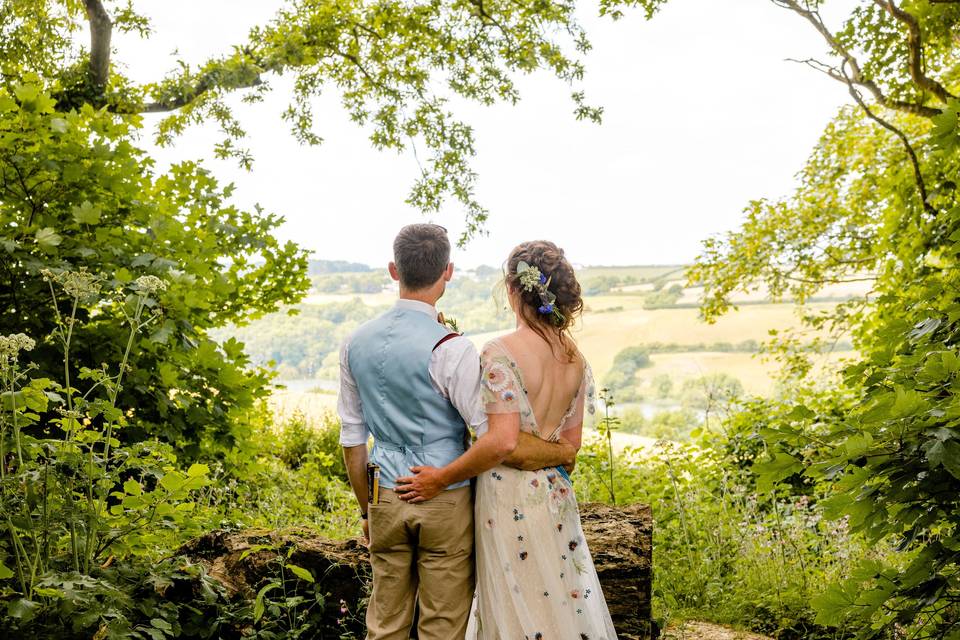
[[535, 576]]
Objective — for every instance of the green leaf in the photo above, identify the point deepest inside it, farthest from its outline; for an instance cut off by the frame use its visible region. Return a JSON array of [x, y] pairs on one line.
[[10, 399], [5, 572], [22, 609], [197, 469], [951, 362], [858, 444], [132, 487], [7, 103], [254, 549], [831, 605], [300, 572], [26, 92], [48, 238], [951, 458], [258, 604], [162, 624], [86, 213], [935, 451], [782, 466], [172, 481]]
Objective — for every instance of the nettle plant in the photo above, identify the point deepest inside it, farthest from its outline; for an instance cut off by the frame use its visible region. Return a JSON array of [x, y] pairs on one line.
[[73, 498]]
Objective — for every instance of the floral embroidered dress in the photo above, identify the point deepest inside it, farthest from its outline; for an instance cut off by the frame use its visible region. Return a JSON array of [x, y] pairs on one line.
[[535, 576]]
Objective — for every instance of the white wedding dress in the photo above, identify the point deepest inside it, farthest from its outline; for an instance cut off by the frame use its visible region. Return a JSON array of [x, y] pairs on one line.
[[535, 576]]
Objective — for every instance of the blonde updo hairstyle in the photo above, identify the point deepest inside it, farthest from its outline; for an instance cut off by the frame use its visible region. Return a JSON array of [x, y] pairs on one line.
[[550, 260]]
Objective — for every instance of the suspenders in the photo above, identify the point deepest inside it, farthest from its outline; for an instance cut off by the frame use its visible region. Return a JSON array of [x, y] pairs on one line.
[[449, 336]]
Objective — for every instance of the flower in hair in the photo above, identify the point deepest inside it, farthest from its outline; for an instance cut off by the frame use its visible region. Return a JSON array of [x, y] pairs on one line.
[[532, 279]]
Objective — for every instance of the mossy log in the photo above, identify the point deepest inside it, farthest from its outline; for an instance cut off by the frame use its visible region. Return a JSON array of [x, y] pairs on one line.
[[242, 561]]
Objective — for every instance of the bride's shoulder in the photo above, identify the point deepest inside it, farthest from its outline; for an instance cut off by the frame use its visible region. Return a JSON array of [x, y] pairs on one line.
[[492, 349], [495, 345]]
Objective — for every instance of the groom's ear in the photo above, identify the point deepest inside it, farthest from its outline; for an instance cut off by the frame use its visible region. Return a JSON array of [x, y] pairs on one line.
[[392, 268], [448, 274]]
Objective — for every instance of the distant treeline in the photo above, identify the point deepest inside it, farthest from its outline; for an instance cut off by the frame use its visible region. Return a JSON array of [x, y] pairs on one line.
[[318, 267], [350, 282], [744, 346], [305, 345]]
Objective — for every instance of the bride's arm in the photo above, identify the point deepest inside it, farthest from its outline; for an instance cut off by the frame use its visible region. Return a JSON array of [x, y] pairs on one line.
[[534, 453]]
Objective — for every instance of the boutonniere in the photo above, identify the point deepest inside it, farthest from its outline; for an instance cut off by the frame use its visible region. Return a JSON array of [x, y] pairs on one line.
[[450, 323]]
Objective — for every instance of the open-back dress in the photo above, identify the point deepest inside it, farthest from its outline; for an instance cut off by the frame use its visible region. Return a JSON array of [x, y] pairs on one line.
[[535, 576]]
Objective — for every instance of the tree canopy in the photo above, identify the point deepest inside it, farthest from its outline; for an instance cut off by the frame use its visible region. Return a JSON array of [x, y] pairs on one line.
[[394, 64], [877, 201], [78, 194]]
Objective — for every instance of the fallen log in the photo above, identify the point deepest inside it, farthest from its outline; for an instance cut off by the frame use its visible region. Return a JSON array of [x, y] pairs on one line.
[[620, 539]]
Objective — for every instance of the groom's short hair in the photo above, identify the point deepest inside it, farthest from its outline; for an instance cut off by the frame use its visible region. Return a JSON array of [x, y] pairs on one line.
[[421, 253]]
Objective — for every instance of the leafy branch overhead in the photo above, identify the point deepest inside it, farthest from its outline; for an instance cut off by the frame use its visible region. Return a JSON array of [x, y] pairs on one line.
[[899, 63], [395, 65]]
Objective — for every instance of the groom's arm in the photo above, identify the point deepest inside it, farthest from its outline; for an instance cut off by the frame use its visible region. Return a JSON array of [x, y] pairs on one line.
[[353, 434], [534, 453], [491, 449], [355, 459]]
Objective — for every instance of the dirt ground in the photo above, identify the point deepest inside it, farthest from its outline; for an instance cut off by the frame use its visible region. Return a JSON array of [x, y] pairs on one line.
[[708, 631]]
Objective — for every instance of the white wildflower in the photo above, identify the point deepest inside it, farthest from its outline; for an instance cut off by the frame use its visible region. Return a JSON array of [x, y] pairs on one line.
[[13, 344], [149, 284]]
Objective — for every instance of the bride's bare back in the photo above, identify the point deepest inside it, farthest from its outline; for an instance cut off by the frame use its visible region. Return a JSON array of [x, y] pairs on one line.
[[551, 379]]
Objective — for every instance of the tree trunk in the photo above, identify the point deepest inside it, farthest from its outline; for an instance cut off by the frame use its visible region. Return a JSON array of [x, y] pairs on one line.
[[101, 29], [619, 538]]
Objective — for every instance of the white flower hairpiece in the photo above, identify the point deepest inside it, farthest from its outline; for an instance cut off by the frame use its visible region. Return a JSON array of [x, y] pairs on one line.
[[532, 279]]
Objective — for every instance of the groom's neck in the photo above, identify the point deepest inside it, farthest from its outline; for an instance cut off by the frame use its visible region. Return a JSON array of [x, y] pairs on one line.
[[429, 296]]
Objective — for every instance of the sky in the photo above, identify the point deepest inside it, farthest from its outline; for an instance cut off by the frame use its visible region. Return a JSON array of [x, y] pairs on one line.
[[702, 113]]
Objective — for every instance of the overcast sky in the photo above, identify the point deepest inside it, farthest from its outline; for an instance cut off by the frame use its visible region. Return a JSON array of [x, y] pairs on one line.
[[702, 114]]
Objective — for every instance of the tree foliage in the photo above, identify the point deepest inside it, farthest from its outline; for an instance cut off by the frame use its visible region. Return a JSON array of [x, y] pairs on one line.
[[877, 201], [76, 194], [395, 65]]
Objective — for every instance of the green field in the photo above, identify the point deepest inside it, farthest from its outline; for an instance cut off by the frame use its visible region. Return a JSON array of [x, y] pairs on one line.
[[611, 323], [614, 321], [642, 273]]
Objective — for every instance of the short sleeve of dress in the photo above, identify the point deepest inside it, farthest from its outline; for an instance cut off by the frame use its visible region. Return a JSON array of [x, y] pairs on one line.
[[498, 381]]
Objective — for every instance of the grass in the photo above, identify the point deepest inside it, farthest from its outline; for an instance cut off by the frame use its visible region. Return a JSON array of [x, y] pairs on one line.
[[287, 403], [756, 374]]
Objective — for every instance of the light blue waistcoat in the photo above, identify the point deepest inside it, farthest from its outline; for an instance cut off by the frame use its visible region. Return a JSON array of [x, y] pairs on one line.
[[412, 424]]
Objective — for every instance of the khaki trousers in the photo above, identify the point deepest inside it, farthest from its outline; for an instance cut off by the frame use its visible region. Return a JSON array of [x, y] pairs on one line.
[[421, 552]]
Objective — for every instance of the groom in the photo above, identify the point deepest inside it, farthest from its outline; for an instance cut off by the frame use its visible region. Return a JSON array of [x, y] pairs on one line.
[[414, 386]]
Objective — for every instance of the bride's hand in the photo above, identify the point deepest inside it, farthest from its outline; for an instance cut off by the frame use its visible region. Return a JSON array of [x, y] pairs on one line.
[[425, 483]]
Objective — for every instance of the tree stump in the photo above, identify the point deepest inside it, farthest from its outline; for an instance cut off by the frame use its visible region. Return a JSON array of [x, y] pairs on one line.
[[619, 538]]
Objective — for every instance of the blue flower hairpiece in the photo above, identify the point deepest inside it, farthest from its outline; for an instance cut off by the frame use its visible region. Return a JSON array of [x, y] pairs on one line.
[[532, 279]]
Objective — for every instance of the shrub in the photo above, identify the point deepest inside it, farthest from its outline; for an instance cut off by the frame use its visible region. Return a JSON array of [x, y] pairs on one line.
[[726, 551], [113, 217]]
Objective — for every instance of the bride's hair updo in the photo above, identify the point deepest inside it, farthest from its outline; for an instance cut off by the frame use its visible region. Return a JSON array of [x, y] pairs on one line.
[[561, 282]]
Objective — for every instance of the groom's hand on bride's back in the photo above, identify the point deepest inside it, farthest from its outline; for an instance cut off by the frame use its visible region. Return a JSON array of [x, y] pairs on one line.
[[425, 483]]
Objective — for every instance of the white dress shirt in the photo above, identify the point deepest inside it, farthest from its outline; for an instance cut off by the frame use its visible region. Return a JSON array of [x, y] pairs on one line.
[[454, 371]]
